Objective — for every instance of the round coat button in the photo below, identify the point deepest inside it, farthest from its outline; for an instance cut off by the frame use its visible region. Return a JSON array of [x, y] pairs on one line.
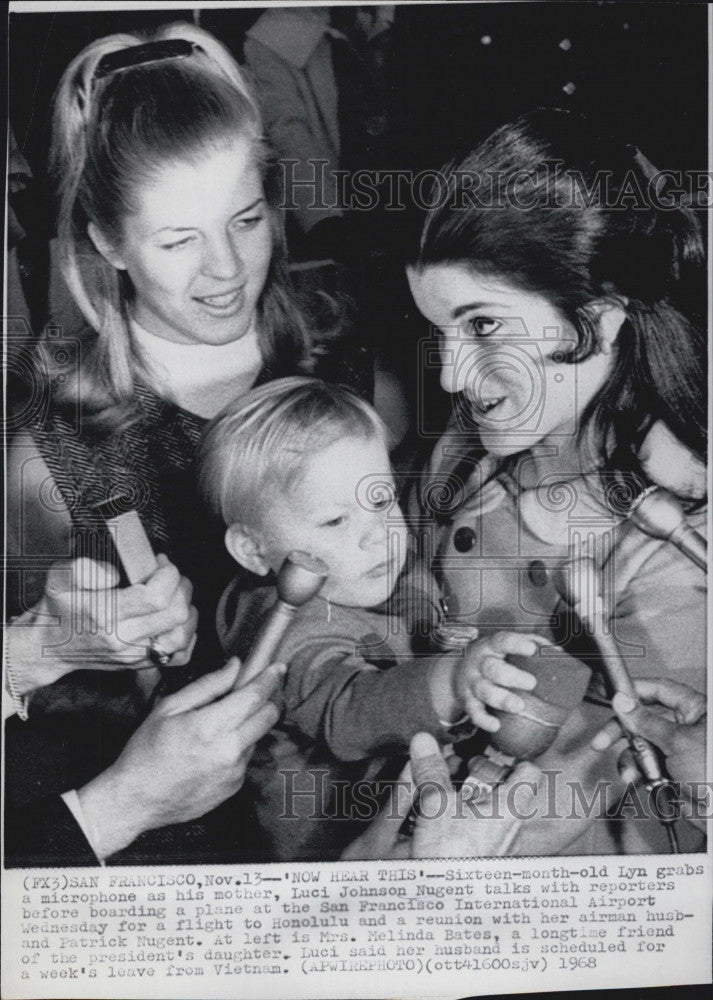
[[537, 573], [464, 539]]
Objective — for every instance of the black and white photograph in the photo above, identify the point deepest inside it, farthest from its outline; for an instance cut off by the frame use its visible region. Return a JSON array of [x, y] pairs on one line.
[[356, 446]]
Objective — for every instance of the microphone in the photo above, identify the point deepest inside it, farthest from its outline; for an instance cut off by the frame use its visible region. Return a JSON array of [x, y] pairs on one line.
[[127, 534], [301, 577], [562, 682], [578, 584], [658, 513]]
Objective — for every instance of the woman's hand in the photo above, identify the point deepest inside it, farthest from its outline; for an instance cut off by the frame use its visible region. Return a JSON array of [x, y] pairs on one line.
[[187, 757], [84, 621]]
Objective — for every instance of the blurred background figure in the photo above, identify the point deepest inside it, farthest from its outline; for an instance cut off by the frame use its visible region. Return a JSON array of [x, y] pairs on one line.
[[322, 77], [325, 81]]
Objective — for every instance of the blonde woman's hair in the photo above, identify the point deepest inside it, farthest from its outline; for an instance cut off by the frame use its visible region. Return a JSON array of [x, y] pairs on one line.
[[110, 135], [262, 440]]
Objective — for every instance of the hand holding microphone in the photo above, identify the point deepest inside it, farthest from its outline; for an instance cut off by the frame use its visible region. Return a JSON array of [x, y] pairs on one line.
[[525, 733], [170, 633], [528, 724], [300, 578], [487, 673], [670, 714]]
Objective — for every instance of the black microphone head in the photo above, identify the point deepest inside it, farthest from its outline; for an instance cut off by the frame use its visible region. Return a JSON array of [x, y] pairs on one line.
[[562, 682]]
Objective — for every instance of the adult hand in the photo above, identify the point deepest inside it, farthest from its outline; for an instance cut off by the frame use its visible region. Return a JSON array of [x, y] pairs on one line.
[[675, 723], [85, 621], [473, 821], [448, 823], [187, 757]]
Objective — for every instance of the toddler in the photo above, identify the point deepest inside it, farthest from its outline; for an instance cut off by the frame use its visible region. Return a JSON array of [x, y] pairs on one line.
[[302, 464]]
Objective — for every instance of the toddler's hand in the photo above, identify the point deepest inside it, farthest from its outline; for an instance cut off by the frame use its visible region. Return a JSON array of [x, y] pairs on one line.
[[485, 677]]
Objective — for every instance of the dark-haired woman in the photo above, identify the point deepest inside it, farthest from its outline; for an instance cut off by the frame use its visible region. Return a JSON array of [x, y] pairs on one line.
[[570, 314]]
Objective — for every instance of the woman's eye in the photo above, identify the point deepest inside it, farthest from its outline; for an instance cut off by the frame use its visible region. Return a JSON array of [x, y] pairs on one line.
[[248, 222], [177, 244], [382, 502], [334, 522], [483, 326]]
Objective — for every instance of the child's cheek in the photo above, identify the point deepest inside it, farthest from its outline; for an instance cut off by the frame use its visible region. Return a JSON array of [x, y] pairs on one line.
[[346, 592], [335, 589]]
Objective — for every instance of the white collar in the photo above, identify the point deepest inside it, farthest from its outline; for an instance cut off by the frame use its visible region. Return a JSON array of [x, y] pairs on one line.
[[197, 376]]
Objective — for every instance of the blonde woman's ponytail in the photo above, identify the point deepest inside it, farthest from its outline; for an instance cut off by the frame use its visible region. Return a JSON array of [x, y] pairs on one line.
[[212, 54], [71, 120]]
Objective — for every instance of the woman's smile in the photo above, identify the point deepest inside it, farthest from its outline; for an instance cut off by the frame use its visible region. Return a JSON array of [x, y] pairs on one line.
[[486, 407], [223, 303]]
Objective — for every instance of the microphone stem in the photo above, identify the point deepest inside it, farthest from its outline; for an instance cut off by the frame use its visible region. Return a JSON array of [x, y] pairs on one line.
[[692, 544], [672, 838], [646, 756], [617, 673], [300, 578], [267, 641]]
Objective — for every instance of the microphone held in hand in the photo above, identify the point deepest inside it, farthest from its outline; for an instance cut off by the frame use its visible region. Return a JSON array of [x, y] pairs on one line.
[[658, 513], [129, 538], [562, 682], [561, 685], [301, 577]]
